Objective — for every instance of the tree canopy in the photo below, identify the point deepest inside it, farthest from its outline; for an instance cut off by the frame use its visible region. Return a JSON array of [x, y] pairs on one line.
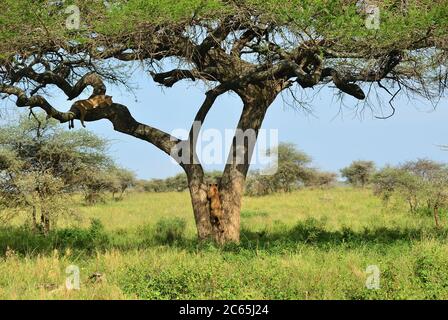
[[422, 183], [311, 41], [358, 173]]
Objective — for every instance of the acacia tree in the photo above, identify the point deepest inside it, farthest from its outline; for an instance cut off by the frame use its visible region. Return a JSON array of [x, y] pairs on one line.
[[42, 165], [256, 49], [291, 170], [423, 183], [358, 173]]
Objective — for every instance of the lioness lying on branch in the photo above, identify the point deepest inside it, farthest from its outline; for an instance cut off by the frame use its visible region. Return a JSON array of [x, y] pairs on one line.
[[88, 104]]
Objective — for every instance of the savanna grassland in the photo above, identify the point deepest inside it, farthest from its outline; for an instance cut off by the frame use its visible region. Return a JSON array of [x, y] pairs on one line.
[[309, 244]]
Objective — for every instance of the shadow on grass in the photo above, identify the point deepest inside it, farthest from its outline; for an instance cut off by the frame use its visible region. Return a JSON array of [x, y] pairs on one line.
[[279, 239], [315, 235], [25, 241]]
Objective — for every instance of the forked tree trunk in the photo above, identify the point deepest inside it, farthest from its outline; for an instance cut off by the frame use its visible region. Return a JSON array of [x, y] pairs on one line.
[[228, 229], [256, 102]]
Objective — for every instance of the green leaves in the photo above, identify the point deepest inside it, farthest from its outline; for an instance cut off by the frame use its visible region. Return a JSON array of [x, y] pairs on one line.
[[40, 165], [22, 19], [358, 173]]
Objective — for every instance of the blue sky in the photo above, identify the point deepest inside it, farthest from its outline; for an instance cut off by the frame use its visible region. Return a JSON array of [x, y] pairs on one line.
[[333, 134]]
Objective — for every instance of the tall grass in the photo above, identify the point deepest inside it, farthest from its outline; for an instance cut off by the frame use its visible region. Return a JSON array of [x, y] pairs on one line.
[[310, 244]]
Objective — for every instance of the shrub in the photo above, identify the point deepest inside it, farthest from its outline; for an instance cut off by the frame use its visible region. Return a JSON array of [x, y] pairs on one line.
[[92, 238], [320, 179], [169, 230], [422, 183]]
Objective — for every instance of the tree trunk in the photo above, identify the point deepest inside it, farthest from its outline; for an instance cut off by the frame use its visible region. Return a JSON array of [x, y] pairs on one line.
[[199, 201], [256, 100], [122, 194], [226, 229], [34, 219], [436, 216], [45, 222], [231, 196]]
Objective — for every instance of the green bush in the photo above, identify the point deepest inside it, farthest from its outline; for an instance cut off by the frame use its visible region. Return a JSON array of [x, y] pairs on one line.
[[430, 271], [92, 238], [423, 184], [169, 230]]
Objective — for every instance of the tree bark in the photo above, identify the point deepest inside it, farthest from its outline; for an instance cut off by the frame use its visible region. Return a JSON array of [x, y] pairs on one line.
[[228, 229], [231, 196], [34, 219], [256, 101], [436, 216], [45, 222], [199, 201]]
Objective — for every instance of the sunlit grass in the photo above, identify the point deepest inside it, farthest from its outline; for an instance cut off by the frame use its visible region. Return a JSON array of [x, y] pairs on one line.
[[310, 244]]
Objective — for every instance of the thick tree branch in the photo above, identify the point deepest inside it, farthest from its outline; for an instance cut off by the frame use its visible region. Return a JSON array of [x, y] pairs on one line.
[[245, 39], [118, 114], [168, 79], [48, 77], [210, 99], [215, 37], [343, 83], [124, 122], [35, 101]]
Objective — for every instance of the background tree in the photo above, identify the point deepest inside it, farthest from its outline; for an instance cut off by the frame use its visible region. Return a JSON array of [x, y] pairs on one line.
[[177, 183], [291, 168], [358, 173], [433, 184], [395, 181], [422, 183], [42, 165], [426, 169], [320, 179], [258, 184], [436, 194], [96, 185], [256, 49], [293, 171], [122, 180]]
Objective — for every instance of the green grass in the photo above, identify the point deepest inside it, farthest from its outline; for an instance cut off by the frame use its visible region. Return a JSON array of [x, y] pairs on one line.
[[310, 244]]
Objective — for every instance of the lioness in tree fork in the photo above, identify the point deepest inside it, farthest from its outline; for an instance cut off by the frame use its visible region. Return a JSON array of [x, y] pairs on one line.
[[83, 105]]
